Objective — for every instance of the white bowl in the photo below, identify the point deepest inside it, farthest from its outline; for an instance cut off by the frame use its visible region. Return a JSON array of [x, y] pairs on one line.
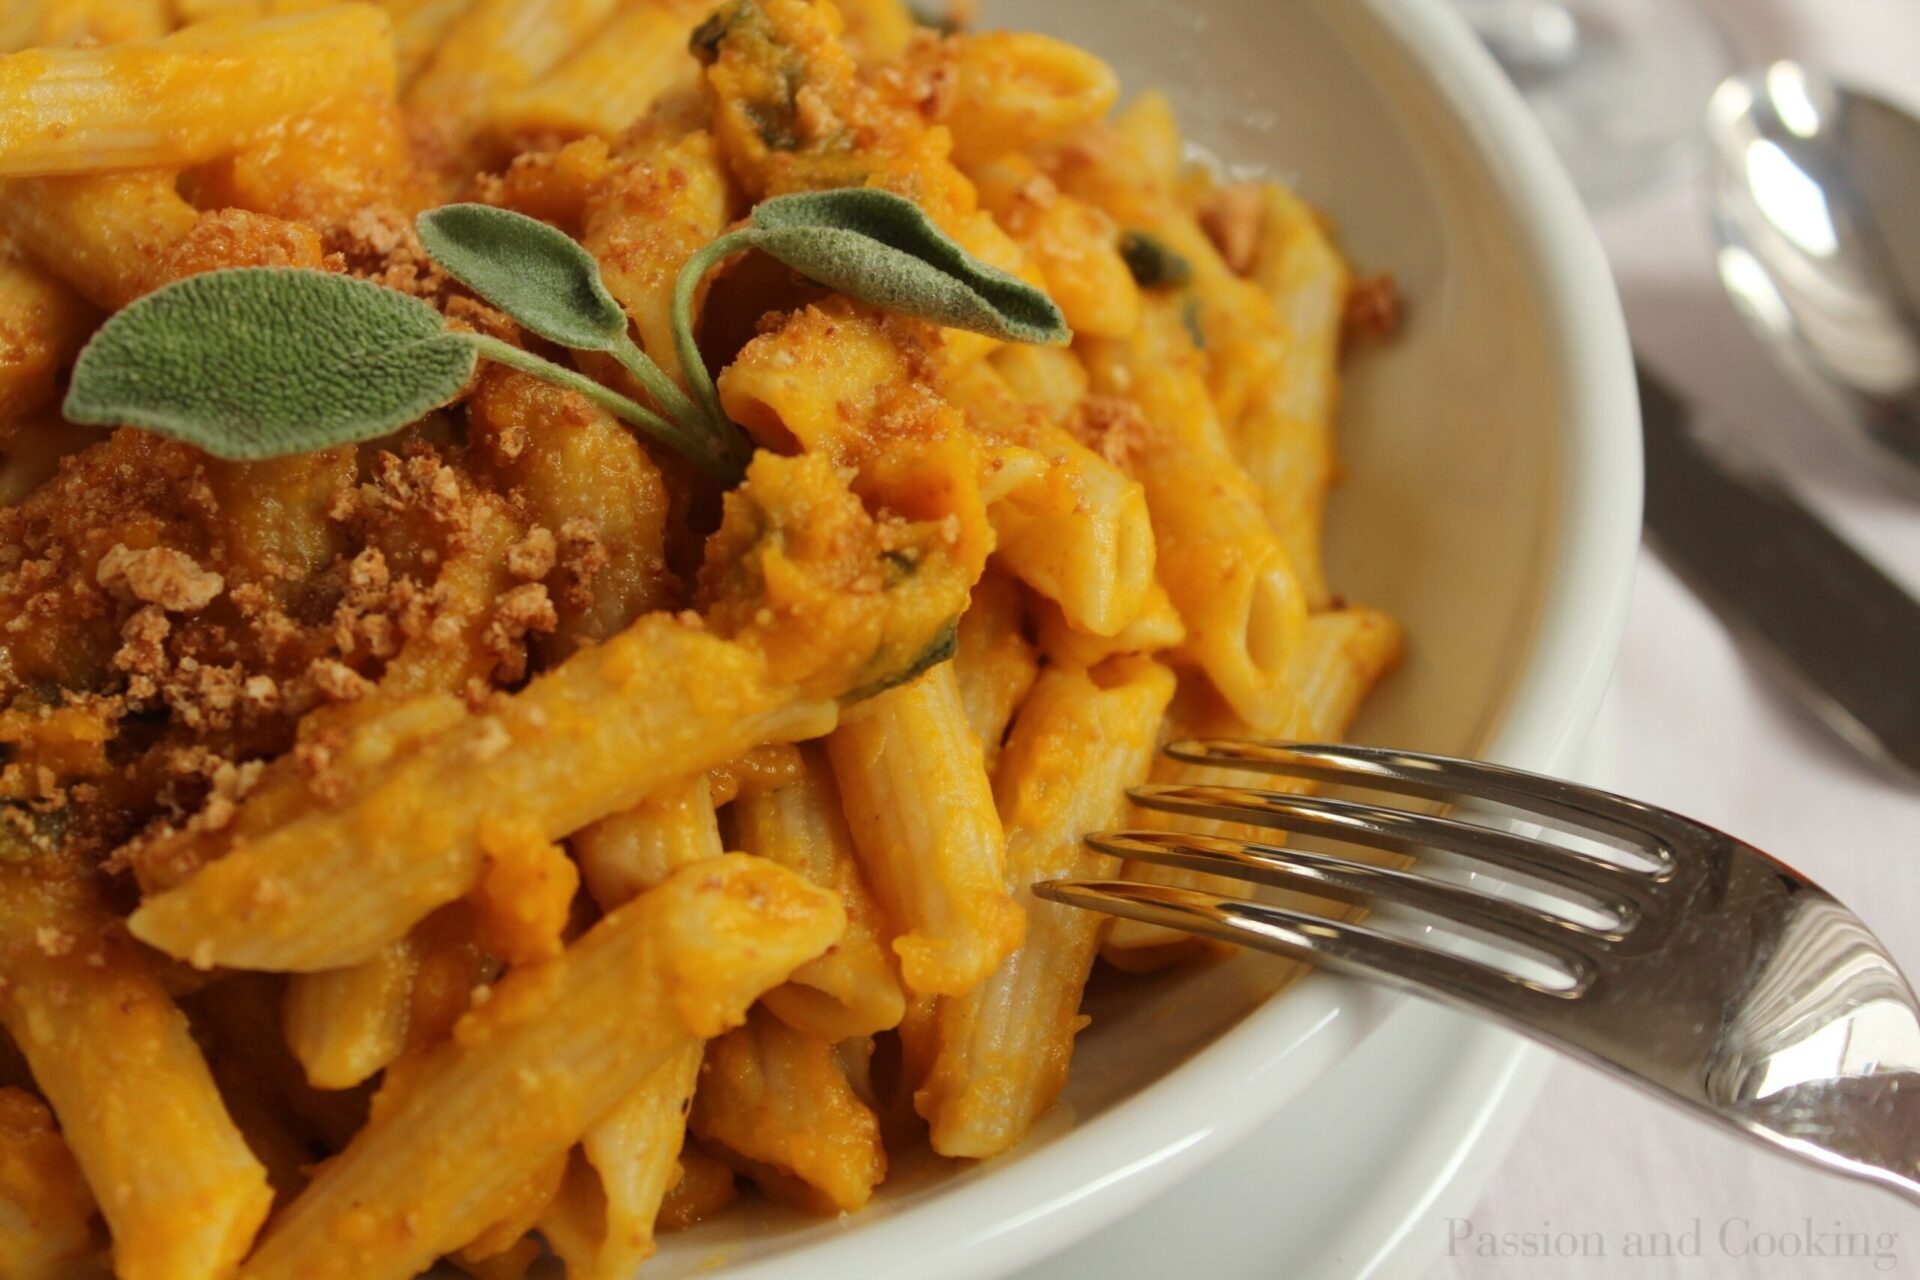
[[1491, 500]]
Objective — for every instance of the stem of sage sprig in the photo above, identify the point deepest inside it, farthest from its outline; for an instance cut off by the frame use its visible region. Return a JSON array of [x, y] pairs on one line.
[[693, 366], [722, 457], [549, 285]]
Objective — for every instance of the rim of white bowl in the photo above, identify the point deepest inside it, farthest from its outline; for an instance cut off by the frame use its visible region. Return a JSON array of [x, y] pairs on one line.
[[1043, 1201]]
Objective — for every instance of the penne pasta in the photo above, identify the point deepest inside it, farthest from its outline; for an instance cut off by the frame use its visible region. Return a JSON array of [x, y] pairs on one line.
[[1074, 246], [1343, 655], [610, 81], [43, 325], [1003, 1049], [705, 1190], [45, 1207], [177, 1185], [1285, 438], [1015, 91], [914, 785], [1219, 560], [192, 96], [779, 1099], [66, 23], [347, 1025], [993, 662], [104, 236], [603, 1222], [439, 1160], [1157, 629], [1049, 377], [419, 28], [644, 226], [1078, 531], [491, 49], [798, 822]]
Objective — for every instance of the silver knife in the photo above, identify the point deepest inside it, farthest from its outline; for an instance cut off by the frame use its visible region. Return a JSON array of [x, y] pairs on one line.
[[1837, 631]]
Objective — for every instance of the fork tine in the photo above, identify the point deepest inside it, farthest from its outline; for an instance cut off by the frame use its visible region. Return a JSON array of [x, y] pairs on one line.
[[1435, 777], [1356, 884], [1351, 948], [1609, 884]]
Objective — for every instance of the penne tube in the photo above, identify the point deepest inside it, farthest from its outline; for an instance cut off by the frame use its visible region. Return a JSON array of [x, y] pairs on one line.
[[1074, 246], [105, 236], [1082, 738], [491, 49], [1146, 126], [192, 11], [1050, 377], [181, 1193], [1016, 90], [642, 229], [193, 96], [602, 1224], [1341, 657], [779, 1099], [1079, 531], [610, 81], [668, 697], [914, 785], [706, 1188], [1157, 629], [20, 24], [440, 1160], [799, 823], [46, 1211], [1285, 438], [605, 1219], [65, 23], [43, 325], [419, 29], [1225, 571], [346, 1025], [628, 853], [326, 167], [993, 661]]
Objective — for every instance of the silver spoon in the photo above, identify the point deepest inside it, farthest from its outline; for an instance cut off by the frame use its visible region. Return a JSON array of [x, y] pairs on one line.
[[1816, 197]]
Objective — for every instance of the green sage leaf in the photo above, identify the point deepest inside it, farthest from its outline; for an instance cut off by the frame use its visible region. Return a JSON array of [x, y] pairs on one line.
[[552, 287], [881, 248], [262, 362], [1153, 262], [534, 272], [945, 643]]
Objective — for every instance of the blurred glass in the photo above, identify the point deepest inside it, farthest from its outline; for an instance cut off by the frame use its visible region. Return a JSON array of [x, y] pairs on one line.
[[1619, 85]]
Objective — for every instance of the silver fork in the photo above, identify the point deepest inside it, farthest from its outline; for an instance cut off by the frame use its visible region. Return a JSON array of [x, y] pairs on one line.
[[1701, 968]]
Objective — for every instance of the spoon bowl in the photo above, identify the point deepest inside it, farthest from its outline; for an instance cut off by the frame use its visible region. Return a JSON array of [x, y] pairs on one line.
[[1816, 200]]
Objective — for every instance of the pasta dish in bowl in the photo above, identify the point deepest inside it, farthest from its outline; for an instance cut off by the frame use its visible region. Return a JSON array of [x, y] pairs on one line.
[[565, 567]]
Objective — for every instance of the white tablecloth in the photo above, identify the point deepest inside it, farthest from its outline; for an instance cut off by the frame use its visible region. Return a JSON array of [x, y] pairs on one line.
[[1600, 1170]]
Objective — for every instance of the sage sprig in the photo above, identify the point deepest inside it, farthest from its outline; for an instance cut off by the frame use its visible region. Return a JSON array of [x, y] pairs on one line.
[[878, 248], [551, 286], [262, 362]]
